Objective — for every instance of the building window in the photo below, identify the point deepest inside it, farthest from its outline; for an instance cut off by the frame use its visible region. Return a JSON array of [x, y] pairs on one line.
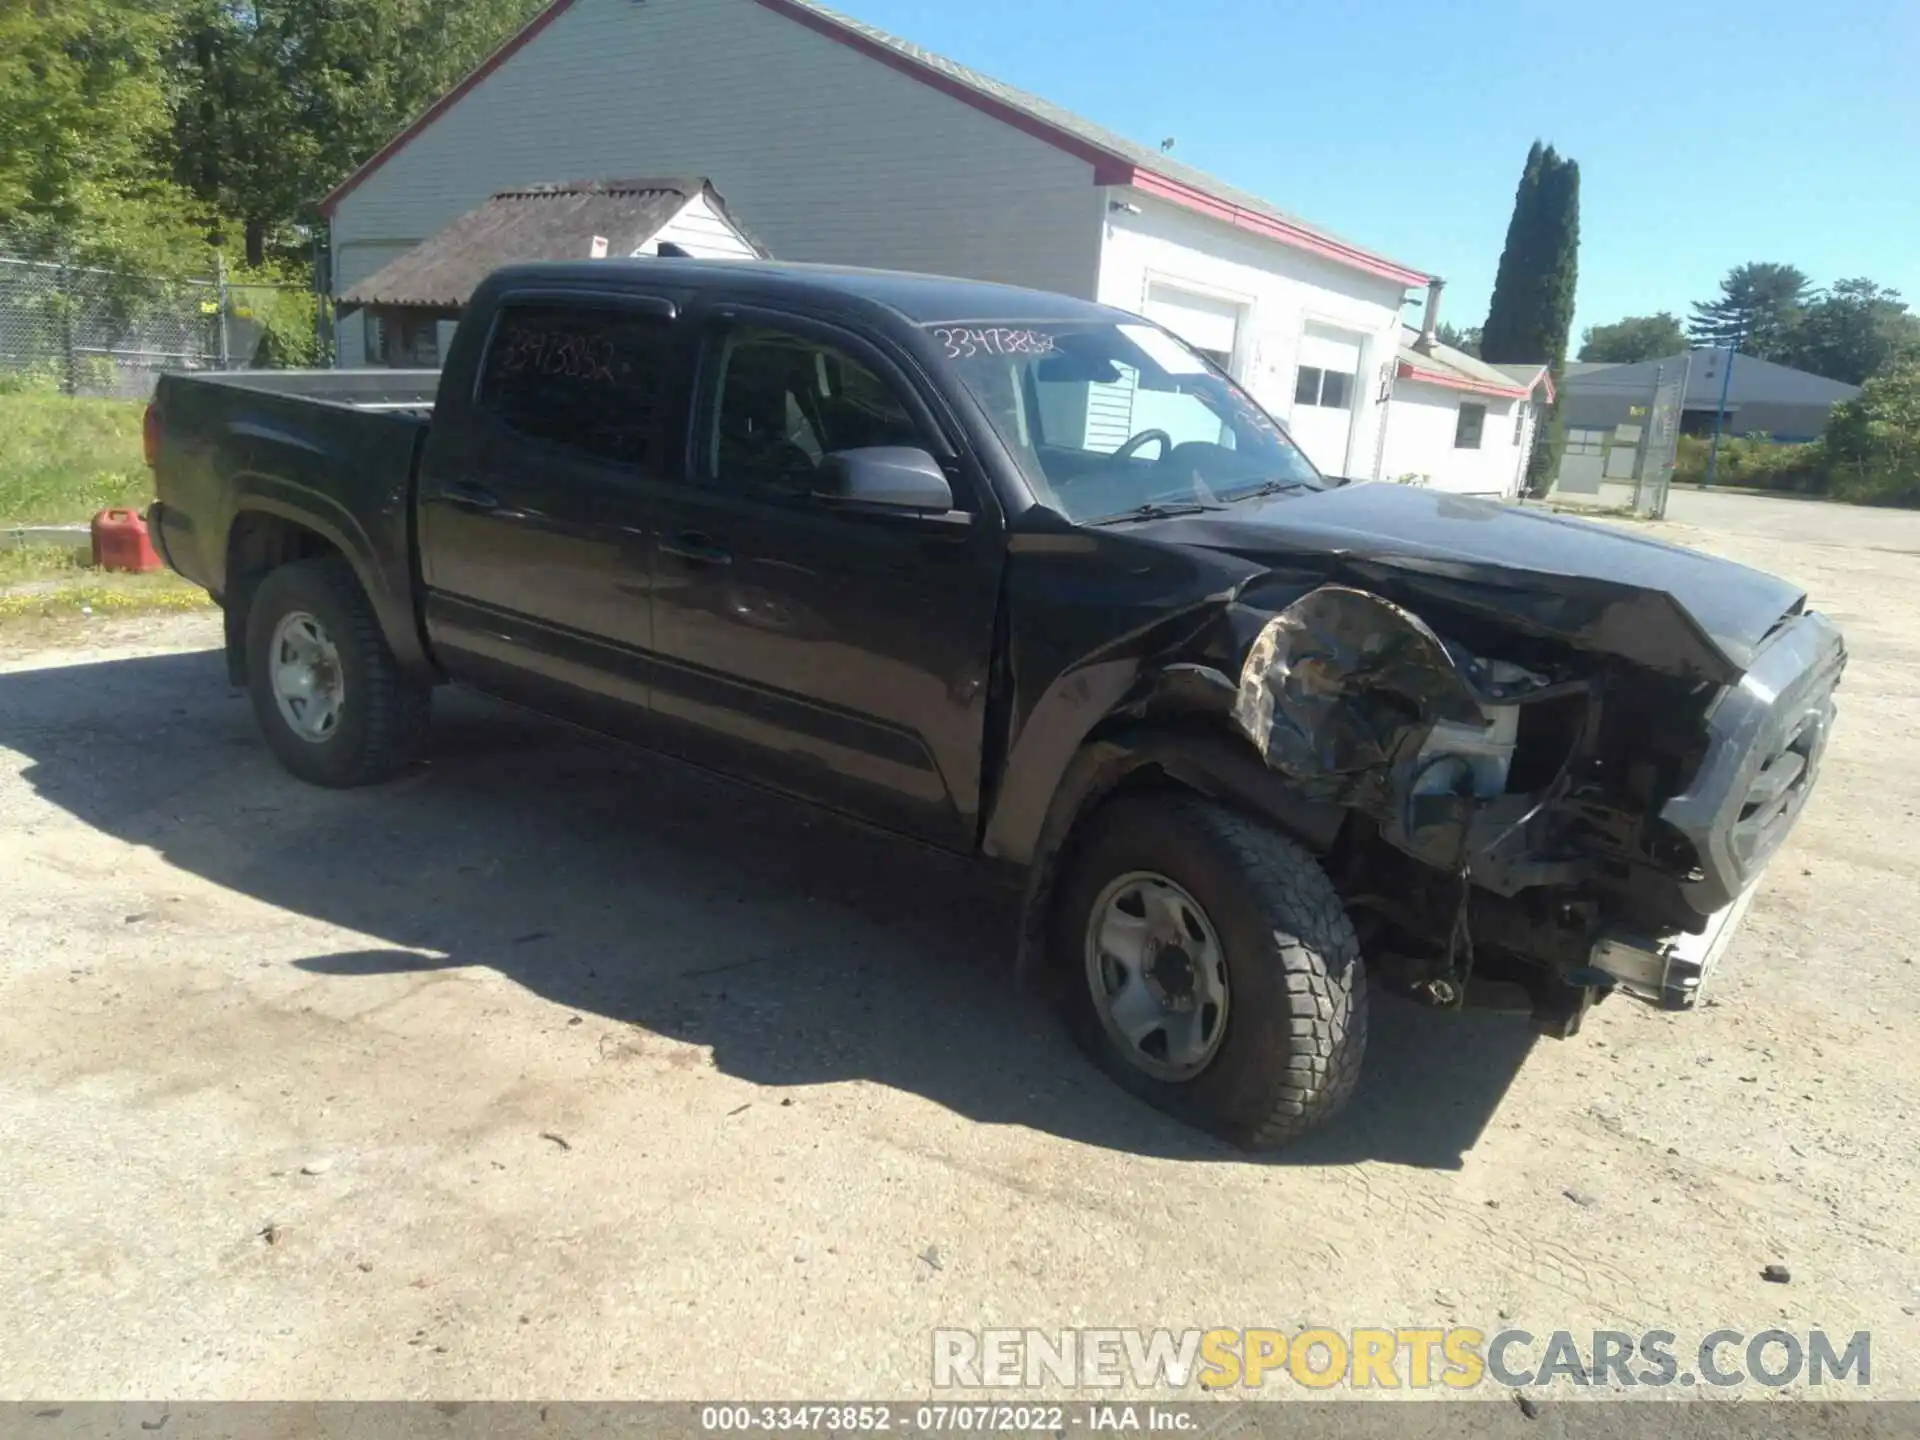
[[1586, 442], [1329, 389], [402, 341], [583, 378], [1468, 428], [1519, 422]]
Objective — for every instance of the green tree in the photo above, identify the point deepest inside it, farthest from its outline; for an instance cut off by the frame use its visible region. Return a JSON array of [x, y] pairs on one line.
[[1467, 341], [1853, 331], [83, 118], [279, 100], [1531, 313], [1635, 338], [1873, 440], [1758, 309]]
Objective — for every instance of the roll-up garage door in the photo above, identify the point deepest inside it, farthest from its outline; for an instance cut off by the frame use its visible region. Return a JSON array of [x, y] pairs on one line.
[[1203, 322]]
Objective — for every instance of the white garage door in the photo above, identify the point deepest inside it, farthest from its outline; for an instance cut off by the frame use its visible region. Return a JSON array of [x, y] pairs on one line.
[[1325, 390], [1200, 320]]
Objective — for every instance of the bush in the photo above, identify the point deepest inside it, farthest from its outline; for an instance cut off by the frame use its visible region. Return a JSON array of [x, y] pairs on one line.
[[278, 300], [62, 459], [1754, 462], [1874, 440]]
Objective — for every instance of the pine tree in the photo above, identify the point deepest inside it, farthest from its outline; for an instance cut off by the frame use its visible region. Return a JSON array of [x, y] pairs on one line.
[[1758, 310], [1531, 315]]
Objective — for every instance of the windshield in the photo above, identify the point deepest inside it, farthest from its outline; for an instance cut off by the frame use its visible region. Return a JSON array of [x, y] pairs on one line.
[[1109, 419]]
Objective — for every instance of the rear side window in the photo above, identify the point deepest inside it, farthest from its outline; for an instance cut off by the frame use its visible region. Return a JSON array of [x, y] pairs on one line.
[[591, 379]]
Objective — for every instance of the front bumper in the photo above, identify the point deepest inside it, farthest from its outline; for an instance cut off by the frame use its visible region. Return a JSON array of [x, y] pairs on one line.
[[1670, 972], [1765, 737]]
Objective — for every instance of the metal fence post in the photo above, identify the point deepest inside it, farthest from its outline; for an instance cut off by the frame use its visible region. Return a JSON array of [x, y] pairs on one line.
[[220, 305], [69, 366]]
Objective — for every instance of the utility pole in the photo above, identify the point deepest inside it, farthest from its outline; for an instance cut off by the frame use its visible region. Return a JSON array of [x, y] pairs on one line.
[[1720, 414]]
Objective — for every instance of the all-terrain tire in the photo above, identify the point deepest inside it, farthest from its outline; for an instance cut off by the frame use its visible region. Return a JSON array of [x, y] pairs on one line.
[[383, 712], [1296, 1021]]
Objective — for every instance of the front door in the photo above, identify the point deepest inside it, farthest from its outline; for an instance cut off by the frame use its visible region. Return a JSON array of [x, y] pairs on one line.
[[1325, 394], [839, 655], [533, 504]]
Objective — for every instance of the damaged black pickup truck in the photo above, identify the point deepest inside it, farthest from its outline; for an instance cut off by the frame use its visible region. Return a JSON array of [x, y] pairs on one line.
[[1026, 578]]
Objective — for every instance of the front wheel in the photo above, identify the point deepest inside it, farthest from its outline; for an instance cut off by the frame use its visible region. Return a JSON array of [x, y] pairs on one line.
[[1211, 969], [330, 697]]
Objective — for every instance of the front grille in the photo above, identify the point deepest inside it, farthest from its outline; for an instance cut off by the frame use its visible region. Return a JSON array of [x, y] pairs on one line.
[[1766, 736]]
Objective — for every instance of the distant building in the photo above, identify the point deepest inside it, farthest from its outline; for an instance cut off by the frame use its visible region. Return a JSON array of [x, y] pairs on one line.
[[413, 301], [1762, 398], [1459, 424], [836, 142]]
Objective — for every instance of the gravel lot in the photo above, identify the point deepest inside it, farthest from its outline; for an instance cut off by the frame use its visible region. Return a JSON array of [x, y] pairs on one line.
[[554, 1071]]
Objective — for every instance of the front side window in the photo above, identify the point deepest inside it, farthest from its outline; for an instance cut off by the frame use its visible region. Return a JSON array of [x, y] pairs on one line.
[[1468, 428], [785, 401], [1107, 417], [591, 379]]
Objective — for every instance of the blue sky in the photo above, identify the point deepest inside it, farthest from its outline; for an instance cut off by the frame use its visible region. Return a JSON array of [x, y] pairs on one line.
[[1707, 135]]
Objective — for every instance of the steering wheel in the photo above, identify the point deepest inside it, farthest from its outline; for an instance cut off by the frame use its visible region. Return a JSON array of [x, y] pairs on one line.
[[1125, 452]]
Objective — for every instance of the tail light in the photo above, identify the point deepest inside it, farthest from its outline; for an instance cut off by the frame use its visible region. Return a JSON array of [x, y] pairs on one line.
[[150, 434]]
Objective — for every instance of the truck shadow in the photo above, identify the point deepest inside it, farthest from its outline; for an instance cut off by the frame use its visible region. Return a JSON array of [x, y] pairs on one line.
[[799, 948]]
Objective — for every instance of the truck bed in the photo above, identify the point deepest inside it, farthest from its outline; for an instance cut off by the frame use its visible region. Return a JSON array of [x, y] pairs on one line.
[[406, 392], [335, 449]]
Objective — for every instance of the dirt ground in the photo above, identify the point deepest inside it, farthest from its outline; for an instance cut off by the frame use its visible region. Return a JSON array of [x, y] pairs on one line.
[[554, 1071]]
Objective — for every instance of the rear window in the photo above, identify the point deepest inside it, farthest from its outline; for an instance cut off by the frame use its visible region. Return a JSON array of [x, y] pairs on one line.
[[591, 379]]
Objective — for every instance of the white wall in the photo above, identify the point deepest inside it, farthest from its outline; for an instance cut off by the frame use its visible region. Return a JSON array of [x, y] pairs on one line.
[[1421, 421], [703, 233], [1281, 292], [821, 152]]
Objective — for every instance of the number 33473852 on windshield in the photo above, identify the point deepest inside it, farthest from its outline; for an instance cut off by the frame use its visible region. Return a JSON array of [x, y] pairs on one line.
[[965, 342]]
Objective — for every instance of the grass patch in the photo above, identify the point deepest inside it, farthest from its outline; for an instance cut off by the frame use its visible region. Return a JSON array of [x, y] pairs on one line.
[[54, 583], [91, 592], [21, 564], [62, 459]]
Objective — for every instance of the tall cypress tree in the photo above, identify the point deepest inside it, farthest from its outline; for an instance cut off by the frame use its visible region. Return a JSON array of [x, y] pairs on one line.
[[1510, 321], [1531, 315]]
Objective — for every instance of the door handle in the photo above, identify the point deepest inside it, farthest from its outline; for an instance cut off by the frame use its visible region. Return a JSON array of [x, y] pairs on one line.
[[472, 497], [695, 549]]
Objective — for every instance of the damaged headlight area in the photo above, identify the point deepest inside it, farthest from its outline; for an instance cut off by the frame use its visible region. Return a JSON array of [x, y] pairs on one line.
[[1529, 821], [1358, 700]]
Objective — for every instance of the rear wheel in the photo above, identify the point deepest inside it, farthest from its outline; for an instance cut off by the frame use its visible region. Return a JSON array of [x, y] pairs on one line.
[[1211, 968], [330, 697]]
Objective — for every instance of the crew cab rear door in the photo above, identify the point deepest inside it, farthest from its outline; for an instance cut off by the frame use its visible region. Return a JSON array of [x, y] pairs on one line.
[[534, 500], [833, 652]]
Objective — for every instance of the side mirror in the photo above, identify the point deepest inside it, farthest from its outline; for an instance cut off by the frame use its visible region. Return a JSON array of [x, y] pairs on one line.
[[885, 477]]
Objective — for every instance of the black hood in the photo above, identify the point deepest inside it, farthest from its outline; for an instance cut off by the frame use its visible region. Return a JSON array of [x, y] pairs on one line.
[[1598, 587]]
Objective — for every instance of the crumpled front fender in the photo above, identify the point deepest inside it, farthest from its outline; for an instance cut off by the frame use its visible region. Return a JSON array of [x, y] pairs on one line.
[[1337, 682]]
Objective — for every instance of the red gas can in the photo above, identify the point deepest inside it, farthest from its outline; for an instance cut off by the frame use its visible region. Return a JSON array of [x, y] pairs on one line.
[[120, 542]]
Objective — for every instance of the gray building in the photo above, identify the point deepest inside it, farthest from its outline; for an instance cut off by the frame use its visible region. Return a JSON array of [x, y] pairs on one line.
[[1762, 398]]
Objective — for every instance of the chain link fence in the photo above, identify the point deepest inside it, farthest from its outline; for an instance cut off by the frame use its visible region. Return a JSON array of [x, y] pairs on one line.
[[89, 331], [1622, 438]]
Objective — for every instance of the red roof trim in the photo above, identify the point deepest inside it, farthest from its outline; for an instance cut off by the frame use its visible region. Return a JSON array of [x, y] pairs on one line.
[[1410, 371], [1190, 197], [1108, 168], [446, 102]]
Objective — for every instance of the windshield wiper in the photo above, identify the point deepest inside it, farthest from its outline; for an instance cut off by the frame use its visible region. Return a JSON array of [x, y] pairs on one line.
[[1271, 487], [1157, 510]]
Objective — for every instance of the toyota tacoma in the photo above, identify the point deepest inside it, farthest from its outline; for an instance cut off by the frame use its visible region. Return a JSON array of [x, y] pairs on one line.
[[1027, 578]]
